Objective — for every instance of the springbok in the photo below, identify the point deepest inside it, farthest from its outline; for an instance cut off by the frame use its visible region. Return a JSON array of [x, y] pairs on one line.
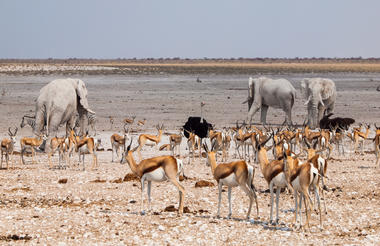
[[57, 144], [118, 141], [111, 121], [175, 143], [302, 177], [88, 145], [192, 144], [30, 143], [338, 139], [233, 174], [141, 122], [240, 139], [311, 135], [146, 139], [324, 141], [273, 173], [129, 120], [376, 141], [7, 146], [158, 169], [360, 137]]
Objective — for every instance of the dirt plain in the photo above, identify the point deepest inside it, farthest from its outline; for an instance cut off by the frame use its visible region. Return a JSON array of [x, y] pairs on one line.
[[99, 207]]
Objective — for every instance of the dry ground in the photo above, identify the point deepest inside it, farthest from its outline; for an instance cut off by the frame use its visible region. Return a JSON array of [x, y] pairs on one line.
[[95, 206]]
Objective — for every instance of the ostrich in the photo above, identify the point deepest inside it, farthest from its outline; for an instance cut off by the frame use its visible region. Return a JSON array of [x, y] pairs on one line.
[[199, 126], [111, 121], [338, 123]]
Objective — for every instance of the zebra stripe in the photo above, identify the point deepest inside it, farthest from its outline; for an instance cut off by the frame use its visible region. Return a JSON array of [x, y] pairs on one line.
[[91, 120], [30, 120]]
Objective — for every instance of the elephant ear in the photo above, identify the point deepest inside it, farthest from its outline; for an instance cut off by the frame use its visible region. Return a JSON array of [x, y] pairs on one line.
[[327, 89], [250, 86], [304, 88], [251, 92], [82, 93]]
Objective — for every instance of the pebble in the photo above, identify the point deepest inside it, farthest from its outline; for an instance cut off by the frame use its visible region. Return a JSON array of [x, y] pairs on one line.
[[161, 228]]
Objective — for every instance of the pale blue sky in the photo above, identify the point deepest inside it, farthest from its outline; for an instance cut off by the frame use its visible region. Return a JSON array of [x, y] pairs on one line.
[[189, 29]]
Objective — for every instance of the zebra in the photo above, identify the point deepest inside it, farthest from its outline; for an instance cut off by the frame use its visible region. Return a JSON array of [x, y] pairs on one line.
[[28, 120], [91, 121]]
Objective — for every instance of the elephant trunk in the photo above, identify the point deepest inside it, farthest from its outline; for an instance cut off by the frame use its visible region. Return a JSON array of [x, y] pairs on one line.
[[314, 114], [315, 100], [251, 93], [250, 102]]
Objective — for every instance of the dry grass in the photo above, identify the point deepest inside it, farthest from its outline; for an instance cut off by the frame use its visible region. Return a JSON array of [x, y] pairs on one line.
[[267, 67], [195, 66]]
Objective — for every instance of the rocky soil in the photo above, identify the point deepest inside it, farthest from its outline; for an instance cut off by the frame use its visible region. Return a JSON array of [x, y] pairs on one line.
[[102, 206]]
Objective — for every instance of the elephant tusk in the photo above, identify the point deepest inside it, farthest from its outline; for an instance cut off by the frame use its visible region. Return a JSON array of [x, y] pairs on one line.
[[308, 100], [321, 102], [90, 111]]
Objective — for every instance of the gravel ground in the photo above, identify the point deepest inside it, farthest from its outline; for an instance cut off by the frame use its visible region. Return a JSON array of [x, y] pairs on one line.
[[98, 207]]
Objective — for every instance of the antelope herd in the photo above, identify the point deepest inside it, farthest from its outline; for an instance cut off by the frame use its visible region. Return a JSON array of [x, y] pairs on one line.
[[298, 160]]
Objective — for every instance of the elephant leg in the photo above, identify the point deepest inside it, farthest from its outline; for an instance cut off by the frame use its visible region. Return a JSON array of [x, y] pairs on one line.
[[40, 119], [288, 113], [255, 107], [54, 122], [264, 110]]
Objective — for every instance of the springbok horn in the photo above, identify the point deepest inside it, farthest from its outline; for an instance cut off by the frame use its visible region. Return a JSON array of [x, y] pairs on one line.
[[14, 134], [125, 130], [187, 131], [320, 150], [296, 156], [213, 146], [266, 129], [130, 144], [9, 131], [265, 141], [307, 143], [304, 123], [205, 147], [315, 144]]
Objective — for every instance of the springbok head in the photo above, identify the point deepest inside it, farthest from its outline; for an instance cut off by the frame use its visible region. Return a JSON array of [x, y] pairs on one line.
[[12, 135]]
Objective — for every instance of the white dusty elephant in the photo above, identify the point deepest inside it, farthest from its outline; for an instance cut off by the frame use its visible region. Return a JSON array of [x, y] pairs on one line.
[[320, 97], [58, 103], [265, 92]]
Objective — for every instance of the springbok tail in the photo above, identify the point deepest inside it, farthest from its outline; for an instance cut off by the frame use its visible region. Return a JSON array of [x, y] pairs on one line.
[[251, 174]]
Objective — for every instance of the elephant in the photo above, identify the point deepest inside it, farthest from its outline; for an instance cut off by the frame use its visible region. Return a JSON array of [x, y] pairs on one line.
[[58, 103], [265, 92], [320, 94]]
